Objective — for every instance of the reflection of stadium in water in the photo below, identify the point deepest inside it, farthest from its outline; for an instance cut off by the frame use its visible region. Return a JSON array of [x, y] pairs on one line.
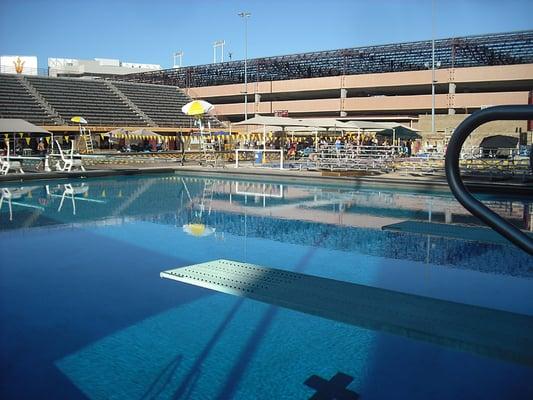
[[347, 219]]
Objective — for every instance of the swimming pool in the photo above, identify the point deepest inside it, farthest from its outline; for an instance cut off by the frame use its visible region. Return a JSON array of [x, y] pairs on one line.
[[84, 313]]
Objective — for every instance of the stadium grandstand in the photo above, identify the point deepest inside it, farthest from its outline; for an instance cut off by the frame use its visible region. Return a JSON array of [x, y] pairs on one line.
[[385, 82], [52, 102]]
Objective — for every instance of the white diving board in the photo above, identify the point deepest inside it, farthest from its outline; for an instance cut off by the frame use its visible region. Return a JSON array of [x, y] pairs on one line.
[[488, 332]]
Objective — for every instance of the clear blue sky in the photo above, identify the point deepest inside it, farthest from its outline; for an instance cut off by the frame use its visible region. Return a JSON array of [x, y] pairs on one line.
[[150, 31]]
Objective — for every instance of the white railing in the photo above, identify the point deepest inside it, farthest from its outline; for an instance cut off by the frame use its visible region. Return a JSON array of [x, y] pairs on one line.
[[355, 157], [261, 152]]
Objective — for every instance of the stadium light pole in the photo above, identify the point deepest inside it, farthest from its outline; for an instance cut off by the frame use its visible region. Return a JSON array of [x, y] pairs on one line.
[[178, 54], [433, 65], [245, 15]]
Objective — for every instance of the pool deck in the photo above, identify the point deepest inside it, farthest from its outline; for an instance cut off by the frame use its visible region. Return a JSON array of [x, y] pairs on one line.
[[430, 182]]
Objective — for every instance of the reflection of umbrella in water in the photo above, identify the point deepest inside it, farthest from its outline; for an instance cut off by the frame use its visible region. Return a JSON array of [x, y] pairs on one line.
[[198, 230]]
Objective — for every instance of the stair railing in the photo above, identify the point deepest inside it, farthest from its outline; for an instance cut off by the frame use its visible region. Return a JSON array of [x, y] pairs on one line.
[[458, 188]]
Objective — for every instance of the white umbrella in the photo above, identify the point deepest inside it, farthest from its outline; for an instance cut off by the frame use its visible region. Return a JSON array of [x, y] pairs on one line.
[[196, 108]]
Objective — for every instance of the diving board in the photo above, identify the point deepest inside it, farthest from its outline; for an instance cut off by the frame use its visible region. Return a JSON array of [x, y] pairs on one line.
[[494, 333], [452, 231]]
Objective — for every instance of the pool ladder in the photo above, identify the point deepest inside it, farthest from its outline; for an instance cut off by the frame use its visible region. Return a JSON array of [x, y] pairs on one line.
[[457, 186]]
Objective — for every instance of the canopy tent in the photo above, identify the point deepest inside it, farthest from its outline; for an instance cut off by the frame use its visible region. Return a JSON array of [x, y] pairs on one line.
[[499, 142], [281, 122], [366, 125], [145, 133], [116, 132], [398, 131], [20, 126], [125, 134], [327, 123], [14, 125]]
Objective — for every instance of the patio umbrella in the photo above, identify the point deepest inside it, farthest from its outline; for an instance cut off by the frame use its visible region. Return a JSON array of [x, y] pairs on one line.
[[118, 132], [196, 108], [327, 123], [282, 122], [79, 120], [114, 134], [145, 132]]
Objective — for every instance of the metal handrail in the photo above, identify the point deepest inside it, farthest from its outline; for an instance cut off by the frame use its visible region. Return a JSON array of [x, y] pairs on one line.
[[459, 190]]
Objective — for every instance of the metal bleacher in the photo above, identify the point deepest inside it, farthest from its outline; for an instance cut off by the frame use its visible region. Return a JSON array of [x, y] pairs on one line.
[[90, 98], [160, 102], [458, 52], [17, 102], [50, 101]]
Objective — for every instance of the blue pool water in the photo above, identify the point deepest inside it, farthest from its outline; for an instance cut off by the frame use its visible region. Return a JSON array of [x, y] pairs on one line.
[[84, 313]]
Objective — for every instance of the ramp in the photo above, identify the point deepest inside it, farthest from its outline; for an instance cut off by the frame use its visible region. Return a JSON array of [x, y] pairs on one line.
[[483, 331]]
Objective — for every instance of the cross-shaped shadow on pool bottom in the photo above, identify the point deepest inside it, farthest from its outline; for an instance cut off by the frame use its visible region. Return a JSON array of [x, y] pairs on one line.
[[334, 389]]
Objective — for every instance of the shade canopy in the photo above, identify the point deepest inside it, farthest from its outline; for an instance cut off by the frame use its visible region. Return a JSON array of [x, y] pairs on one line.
[[499, 142], [308, 129], [144, 132], [328, 123], [281, 122], [15, 125], [400, 132], [116, 132], [366, 125]]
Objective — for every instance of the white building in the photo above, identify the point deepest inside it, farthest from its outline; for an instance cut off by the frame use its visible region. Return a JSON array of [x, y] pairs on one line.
[[98, 67]]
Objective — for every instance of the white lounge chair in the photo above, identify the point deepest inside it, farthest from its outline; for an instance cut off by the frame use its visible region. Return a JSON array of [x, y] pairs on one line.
[[67, 162], [72, 191], [6, 164]]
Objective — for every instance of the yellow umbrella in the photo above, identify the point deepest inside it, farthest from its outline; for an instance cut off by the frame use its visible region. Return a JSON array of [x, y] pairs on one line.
[[196, 107], [79, 120]]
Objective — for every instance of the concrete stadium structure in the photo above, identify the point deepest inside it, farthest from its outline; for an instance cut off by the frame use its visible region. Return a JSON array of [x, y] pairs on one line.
[[388, 82]]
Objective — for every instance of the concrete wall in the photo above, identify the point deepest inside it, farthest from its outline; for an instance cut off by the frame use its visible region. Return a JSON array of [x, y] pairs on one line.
[[445, 124], [503, 73], [374, 105]]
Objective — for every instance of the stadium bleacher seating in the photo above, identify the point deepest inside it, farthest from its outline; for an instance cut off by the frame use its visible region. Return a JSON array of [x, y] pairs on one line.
[[91, 99], [159, 102], [95, 101], [17, 102]]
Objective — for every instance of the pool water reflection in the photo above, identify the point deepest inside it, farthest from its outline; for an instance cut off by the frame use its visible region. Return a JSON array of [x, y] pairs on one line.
[[84, 314]]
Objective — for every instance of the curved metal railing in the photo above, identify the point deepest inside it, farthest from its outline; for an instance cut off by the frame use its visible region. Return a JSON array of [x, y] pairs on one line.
[[500, 225]]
